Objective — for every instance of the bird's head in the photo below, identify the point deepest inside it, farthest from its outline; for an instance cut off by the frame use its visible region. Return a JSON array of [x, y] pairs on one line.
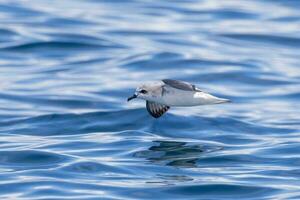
[[148, 91]]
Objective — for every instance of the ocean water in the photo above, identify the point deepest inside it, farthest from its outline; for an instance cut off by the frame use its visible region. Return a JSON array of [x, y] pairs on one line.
[[68, 66]]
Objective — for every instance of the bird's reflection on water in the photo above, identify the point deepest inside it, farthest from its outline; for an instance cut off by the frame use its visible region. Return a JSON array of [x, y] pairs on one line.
[[173, 153]]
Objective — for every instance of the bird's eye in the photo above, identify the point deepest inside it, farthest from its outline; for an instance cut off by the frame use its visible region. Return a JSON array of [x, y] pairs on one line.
[[143, 91]]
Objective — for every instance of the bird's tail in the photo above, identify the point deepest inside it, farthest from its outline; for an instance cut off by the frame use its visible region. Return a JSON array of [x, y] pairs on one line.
[[221, 100]]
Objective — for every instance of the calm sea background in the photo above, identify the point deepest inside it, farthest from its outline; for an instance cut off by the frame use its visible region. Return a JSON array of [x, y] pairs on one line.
[[68, 66]]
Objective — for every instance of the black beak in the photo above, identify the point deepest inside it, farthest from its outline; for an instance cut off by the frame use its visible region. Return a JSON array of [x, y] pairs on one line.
[[132, 97]]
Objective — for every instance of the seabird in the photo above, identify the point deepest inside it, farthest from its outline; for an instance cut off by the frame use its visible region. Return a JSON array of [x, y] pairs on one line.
[[161, 95]]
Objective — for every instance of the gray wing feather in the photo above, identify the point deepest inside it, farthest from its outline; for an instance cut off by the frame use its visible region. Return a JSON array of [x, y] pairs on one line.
[[156, 110], [181, 85]]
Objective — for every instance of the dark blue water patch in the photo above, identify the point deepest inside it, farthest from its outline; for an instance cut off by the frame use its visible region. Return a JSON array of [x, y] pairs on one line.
[[19, 11], [169, 179], [79, 37], [232, 14], [7, 35], [167, 56], [86, 62], [127, 123], [41, 72], [93, 167], [174, 41], [250, 77], [229, 140], [221, 13], [57, 124], [31, 159], [288, 4], [11, 58], [291, 96], [60, 22], [224, 14], [162, 56], [121, 2], [66, 102], [224, 191], [286, 19], [127, 33], [45, 47], [265, 39], [237, 160], [196, 126], [205, 191]]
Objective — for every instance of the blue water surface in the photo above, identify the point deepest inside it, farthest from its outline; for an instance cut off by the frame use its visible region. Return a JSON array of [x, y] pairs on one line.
[[68, 66]]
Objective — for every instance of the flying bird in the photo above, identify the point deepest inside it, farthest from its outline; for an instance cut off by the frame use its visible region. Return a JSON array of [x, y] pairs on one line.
[[161, 95]]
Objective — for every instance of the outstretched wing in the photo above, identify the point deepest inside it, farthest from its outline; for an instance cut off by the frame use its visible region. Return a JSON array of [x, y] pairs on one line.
[[156, 110], [181, 85]]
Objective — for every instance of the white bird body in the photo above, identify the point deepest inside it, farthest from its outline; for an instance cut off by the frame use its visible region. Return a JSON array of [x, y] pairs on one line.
[[161, 95], [183, 98]]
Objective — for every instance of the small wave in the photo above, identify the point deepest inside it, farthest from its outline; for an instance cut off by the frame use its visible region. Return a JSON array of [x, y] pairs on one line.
[[7, 35], [55, 45], [70, 123], [29, 159], [174, 61], [225, 191], [265, 39], [93, 167]]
